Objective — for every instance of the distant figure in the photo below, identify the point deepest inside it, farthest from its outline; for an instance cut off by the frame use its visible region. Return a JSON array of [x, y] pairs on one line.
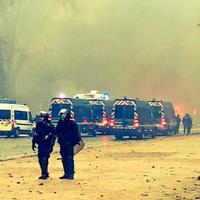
[[178, 121], [44, 137], [68, 137], [187, 123]]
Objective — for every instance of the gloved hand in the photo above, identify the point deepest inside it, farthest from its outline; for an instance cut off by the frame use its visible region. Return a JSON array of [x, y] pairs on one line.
[[33, 147]]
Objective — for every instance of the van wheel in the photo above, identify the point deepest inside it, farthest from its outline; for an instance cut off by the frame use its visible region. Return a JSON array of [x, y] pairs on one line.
[[104, 133], [140, 136], [118, 137], [9, 135], [16, 134], [166, 132], [94, 133], [153, 135]]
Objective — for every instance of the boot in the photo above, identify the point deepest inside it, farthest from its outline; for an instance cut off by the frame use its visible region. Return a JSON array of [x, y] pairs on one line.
[[64, 177], [44, 177]]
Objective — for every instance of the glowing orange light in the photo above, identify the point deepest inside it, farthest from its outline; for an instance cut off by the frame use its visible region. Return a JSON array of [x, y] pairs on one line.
[[136, 122]]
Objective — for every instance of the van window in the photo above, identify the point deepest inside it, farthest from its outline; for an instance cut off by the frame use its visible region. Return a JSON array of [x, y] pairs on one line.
[[30, 117], [119, 112], [82, 113], [5, 114], [20, 115], [122, 111], [156, 111], [144, 114], [129, 112], [56, 109], [97, 111]]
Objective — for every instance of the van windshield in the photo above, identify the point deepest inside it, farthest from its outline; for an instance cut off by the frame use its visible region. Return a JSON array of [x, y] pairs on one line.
[[5, 114], [82, 113], [97, 111], [56, 109], [124, 111]]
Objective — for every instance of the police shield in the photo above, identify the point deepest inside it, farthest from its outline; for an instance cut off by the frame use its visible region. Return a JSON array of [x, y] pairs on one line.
[[78, 147]]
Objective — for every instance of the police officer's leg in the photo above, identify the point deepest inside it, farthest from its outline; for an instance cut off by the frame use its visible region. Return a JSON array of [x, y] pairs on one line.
[[189, 129], [178, 127], [70, 162], [71, 167], [63, 153], [176, 130], [40, 161], [43, 161], [44, 167], [184, 129], [65, 166]]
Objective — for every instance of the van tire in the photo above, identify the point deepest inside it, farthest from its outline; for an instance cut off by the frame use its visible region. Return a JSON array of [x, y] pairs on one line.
[[16, 133], [9, 135], [94, 133], [166, 132], [140, 136], [153, 135], [118, 137]]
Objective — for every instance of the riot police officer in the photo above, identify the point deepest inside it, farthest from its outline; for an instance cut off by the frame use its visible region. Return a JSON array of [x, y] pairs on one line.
[[178, 121], [68, 136], [44, 136]]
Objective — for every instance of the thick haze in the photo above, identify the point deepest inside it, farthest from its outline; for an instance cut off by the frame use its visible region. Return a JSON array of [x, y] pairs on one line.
[[136, 48]]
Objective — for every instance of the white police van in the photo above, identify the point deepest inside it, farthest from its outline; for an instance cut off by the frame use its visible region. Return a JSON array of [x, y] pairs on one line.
[[15, 119]]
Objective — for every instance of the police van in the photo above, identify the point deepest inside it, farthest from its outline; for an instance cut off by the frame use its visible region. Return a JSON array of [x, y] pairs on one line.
[[80, 110], [101, 115], [164, 116], [15, 119], [133, 118]]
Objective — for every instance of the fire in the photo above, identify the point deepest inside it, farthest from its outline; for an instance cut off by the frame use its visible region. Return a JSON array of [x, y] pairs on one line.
[[179, 109]]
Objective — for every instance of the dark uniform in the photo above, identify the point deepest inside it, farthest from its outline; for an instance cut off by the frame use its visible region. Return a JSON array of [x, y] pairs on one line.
[[44, 137], [187, 123], [178, 121], [68, 137]]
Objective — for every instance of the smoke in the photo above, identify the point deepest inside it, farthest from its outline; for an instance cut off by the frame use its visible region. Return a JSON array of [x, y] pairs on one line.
[[145, 49]]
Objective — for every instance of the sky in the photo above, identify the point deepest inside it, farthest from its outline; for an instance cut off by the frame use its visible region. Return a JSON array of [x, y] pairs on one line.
[[145, 49]]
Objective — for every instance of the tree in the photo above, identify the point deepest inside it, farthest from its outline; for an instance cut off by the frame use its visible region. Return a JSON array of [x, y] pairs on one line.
[[11, 59], [19, 22]]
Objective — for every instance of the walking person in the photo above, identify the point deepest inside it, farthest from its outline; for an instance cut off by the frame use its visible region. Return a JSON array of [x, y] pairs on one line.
[[68, 137], [44, 137]]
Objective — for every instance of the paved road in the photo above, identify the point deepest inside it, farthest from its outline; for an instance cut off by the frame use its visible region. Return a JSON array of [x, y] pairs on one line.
[[14, 147]]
